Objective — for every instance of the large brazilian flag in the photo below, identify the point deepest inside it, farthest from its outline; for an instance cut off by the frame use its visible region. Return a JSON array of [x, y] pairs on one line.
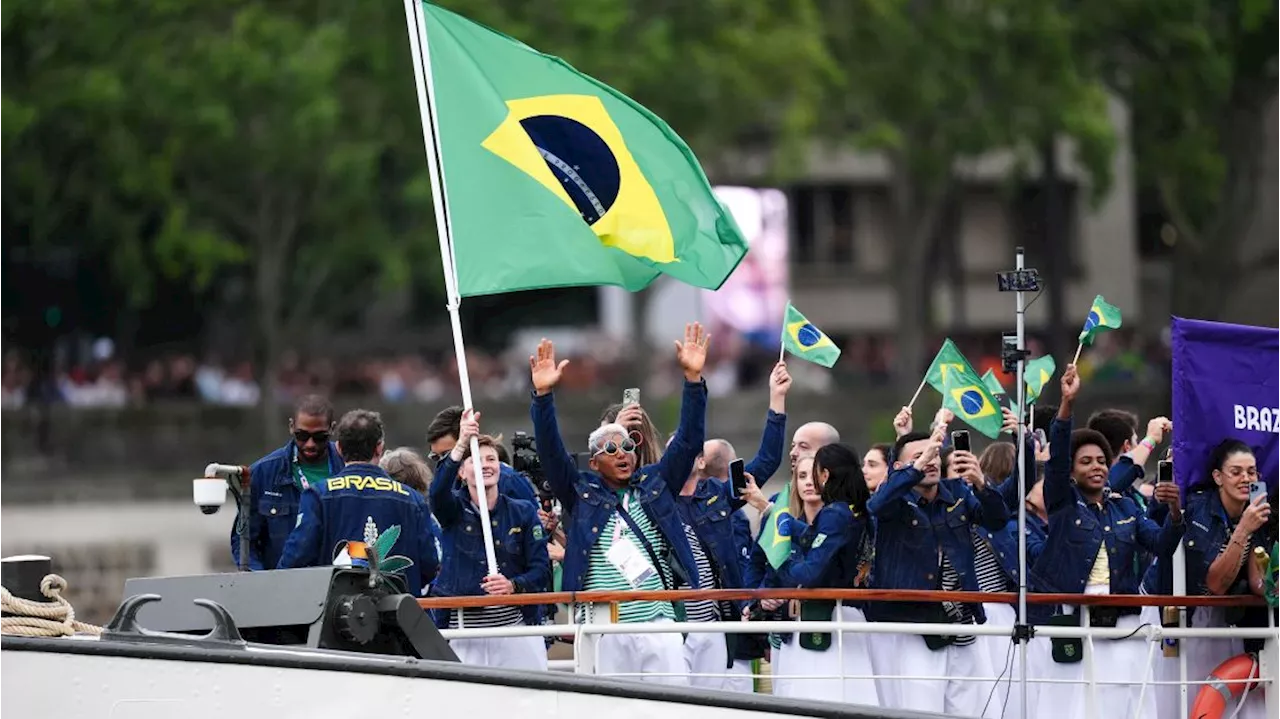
[[554, 179]]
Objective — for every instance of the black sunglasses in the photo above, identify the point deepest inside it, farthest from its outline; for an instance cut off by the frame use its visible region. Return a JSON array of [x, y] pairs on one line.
[[301, 436]]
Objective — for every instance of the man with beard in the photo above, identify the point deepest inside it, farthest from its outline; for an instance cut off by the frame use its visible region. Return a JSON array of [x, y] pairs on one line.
[[278, 480]]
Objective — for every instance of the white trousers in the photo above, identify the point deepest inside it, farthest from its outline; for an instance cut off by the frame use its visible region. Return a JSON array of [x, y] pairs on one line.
[[907, 654], [744, 676], [848, 656], [706, 658], [1116, 660], [658, 658], [505, 652], [1003, 655]]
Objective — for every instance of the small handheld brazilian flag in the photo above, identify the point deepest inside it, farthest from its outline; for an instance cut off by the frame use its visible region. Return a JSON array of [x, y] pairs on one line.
[[963, 390], [775, 535], [1037, 374], [802, 339], [965, 394], [1102, 316], [949, 358], [992, 383]]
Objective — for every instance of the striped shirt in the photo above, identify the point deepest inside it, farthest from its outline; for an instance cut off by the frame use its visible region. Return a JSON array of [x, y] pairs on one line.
[[602, 576], [990, 574], [701, 611], [959, 612], [485, 617]]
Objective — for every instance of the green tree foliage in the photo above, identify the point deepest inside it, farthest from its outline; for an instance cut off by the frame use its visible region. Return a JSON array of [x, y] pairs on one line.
[[202, 140], [281, 141], [931, 85], [1200, 76], [720, 72]]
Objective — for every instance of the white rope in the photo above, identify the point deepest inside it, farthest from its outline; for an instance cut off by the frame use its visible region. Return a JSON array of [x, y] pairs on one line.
[[42, 619]]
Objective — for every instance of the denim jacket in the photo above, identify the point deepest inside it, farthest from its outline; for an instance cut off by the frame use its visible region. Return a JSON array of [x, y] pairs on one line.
[[1077, 530], [273, 506], [825, 554], [589, 504], [1004, 543], [1208, 529], [712, 506], [519, 542], [910, 533], [340, 509]]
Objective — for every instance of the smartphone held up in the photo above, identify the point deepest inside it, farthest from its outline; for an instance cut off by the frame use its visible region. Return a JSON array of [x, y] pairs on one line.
[[738, 474]]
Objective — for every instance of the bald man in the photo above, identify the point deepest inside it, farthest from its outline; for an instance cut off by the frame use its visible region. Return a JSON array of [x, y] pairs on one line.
[[811, 437]]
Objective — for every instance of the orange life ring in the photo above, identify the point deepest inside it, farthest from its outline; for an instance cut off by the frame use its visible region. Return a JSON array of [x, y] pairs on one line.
[[1226, 684]]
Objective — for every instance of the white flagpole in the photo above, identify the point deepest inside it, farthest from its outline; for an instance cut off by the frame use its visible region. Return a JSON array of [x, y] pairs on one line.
[[417, 27]]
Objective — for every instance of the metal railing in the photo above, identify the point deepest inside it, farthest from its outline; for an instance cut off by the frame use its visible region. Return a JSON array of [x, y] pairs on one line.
[[584, 634]]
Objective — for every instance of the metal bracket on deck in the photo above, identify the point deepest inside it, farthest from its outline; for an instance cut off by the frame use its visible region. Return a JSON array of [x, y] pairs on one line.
[[124, 627]]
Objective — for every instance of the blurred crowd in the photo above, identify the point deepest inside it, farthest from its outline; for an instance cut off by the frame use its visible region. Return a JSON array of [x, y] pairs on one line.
[[105, 379]]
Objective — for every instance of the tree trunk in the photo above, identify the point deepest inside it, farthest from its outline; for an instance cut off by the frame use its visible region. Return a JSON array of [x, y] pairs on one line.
[[1055, 248], [1209, 261], [915, 209]]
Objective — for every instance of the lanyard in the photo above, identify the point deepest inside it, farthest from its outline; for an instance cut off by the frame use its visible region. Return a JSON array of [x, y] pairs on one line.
[[618, 522], [302, 477]]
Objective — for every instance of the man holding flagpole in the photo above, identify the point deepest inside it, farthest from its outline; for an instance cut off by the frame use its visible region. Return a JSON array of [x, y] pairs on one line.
[[624, 531]]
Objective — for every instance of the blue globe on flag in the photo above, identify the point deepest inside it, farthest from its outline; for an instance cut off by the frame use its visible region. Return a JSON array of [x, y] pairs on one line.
[[971, 402], [808, 336], [1092, 320]]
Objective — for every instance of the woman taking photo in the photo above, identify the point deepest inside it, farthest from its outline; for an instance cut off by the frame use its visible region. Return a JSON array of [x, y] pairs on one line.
[[1224, 525], [832, 550]]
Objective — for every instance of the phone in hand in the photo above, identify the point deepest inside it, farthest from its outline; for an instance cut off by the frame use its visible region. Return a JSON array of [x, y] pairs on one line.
[[1256, 489], [630, 396], [960, 440], [738, 474], [1164, 471]]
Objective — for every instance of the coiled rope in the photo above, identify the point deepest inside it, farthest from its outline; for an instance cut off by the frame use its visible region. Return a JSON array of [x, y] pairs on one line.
[[42, 619]]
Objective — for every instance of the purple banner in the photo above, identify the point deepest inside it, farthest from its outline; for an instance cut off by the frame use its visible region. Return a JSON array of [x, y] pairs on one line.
[[1226, 383]]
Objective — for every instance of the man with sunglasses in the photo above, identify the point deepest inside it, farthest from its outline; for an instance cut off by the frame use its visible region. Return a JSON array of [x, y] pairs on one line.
[[623, 530], [278, 479]]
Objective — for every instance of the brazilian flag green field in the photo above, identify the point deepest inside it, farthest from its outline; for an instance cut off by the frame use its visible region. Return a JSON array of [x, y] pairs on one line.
[[554, 179]]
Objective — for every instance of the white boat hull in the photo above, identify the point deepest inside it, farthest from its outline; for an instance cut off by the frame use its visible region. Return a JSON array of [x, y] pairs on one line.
[[89, 679]]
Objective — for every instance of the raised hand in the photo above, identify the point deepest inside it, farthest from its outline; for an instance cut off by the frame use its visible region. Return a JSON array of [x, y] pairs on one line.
[[931, 450], [902, 422], [1010, 424], [965, 465], [943, 418], [1256, 514], [692, 353], [1070, 384], [543, 368], [1157, 427], [779, 380], [631, 417], [469, 427], [1169, 493]]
